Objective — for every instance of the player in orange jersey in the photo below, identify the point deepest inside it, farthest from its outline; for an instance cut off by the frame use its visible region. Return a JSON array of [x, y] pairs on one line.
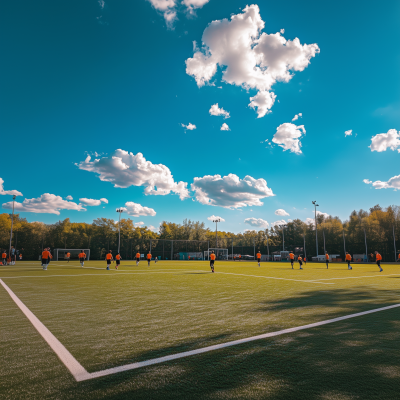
[[137, 258], [82, 257], [117, 260], [398, 258], [240, 257], [259, 258], [348, 260], [68, 256], [300, 260], [45, 258], [148, 259], [291, 257], [378, 261], [109, 258], [212, 259], [4, 257], [326, 259]]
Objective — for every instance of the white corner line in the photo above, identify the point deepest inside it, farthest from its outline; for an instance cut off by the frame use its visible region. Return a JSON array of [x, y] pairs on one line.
[[80, 374]]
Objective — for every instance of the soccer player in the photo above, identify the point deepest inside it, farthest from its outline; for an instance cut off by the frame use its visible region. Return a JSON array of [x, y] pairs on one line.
[[234, 258], [212, 259], [348, 260], [4, 257], [13, 256], [291, 256], [240, 258], [68, 256], [378, 261], [259, 258], [109, 258], [305, 260], [117, 260], [155, 260], [82, 256], [300, 260], [148, 259], [398, 258], [45, 258], [137, 258], [326, 259]]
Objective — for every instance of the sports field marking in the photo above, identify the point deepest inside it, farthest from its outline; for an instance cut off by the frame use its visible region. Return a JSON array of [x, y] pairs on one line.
[[80, 373], [356, 277], [274, 277]]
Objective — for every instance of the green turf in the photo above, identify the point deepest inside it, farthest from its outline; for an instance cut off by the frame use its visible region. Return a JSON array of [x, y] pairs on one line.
[[111, 318]]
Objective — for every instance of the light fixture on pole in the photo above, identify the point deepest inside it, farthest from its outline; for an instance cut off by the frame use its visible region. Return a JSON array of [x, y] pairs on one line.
[[119, 211], [283, 235], [216, 231], [316, 232], [12, 224]]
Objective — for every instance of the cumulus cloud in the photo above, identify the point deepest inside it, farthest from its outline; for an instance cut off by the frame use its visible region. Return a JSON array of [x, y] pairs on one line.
[[225, 127], [137, 210], [139, 223], [45, 204], [383, 141], [8, 192], [248, 57], [69, 197], [124, 169], [310, 221], [348, 133], [392, 183], [297, 116], [189, 126], [277, 223], [288, 137], [215, 110], [256, 222], [92, 202], [281, 212], [214, 217], [230, 191], [101, 4], [325, 215]]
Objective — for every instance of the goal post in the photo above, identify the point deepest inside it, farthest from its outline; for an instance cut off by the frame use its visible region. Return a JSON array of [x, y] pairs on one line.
[[60, 254], [220, 254]]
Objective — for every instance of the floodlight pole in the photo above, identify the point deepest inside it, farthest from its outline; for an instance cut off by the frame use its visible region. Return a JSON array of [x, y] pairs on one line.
[[216, 231], [366, 249], [316, 230], [12, 224], [344, 244], [267, 245], [323, 233], [283, 235], [304, 245], [119, 211], [394, 242]]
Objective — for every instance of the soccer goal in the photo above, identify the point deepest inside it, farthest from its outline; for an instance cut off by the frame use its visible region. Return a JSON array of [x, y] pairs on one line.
[[61, 254], [220, 254]]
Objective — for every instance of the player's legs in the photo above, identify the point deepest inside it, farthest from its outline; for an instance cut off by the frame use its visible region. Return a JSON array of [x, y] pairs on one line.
[[291, 262], [327, 264], [301, 265], [378, 263], [108, 264], [137, 261], [259, 260], [348, 265]]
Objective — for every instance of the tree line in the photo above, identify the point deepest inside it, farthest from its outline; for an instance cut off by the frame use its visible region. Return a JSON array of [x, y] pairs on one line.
[[377, 228]]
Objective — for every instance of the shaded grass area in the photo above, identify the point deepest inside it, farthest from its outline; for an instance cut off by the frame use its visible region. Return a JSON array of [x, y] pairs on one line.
[[108, 321]]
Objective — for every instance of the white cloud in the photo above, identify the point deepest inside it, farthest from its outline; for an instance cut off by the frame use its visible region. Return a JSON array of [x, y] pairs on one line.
[[124, 169], [225, 127], [101, 4], [248, 58], [282, 31], [325, 215], [297, 116], [281, 212], [69, 197], [214, 217], [230, 191], [8, 192], [288, 137], [348, 133], [277, 223], [137, 210], [92, 202], [215, 110], [189, 126], [310, 221], [139, 223], [193, 4], [46, 203], [256, 222], [392, 183], [383, 141], [153, 228]]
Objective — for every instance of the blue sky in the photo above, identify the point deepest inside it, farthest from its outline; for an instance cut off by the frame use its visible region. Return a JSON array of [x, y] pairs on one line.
[[92, 77]]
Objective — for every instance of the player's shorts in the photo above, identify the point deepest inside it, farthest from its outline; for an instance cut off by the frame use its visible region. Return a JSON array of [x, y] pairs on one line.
[[292, 260], [81, 259], [137, 259], [378, 263], [212, 263], [348, 261], [4, 261], [258, 259], [301, 263], [149, 259], [117, 262], [108, 262], [327, 261]]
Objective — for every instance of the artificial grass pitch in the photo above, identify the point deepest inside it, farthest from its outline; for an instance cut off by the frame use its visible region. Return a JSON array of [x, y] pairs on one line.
[[112, 318]]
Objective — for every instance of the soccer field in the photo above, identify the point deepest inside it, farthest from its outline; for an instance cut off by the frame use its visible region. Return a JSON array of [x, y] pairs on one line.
[[170, 331]]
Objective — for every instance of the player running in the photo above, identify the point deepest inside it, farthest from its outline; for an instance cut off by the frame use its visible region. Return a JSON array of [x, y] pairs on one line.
[[155, 260], [148, 259], [378, 261], [212, 259], [305, 260], [117, 260], [68, 256], [137, 258], [398, 258], [259, 258], [327, 259], [45, 258], [240, 257], [4, 257], [300, 260], [291, 256], [109, 258], [82, 257], [348, 260]]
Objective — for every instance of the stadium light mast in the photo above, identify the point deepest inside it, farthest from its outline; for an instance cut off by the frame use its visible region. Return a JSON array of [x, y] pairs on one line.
[[216, 231], [283, 235], [12, 224], [316, 231], [119, 211]]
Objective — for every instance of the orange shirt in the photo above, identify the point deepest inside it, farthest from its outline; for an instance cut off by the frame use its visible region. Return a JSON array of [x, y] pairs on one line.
[[327, 256], [240, 256], [399, 255], [82, 255], [117, 257], [149, 256], [68, 255], [109, 256], [378, 257], [348, 257], [291, 255], [45, 254], [258, 255], [4, 255], [137, 255], [212, 256], [299, 258]]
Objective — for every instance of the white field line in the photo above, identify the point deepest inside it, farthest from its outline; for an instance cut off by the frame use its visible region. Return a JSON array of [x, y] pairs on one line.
[[80, 374], [76, 369], [273, 277], [356, 277]]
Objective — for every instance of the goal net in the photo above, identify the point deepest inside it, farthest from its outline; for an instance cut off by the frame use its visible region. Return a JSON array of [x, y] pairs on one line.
[[61, 254], [195, 255], [220, 254]]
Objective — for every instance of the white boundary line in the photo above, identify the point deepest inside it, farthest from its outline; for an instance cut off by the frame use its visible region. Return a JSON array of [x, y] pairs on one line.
[[356, 277], [80, 374]]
